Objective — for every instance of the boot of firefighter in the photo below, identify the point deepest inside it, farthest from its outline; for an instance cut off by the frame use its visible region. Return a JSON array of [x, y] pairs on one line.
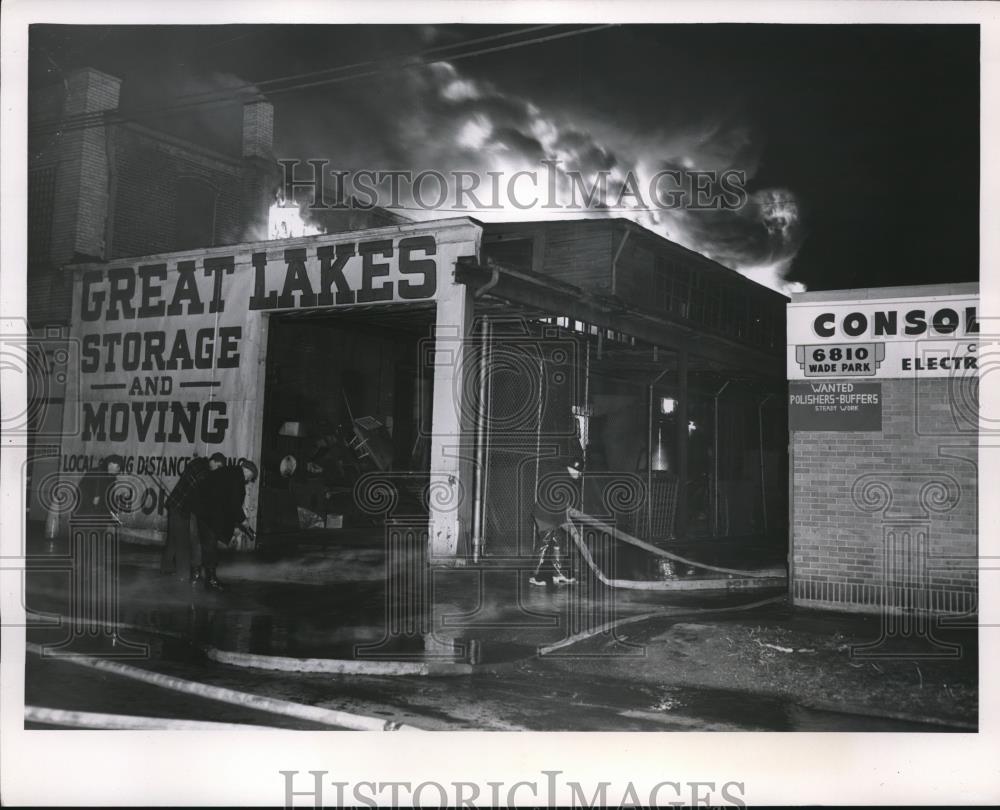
[[196, 576], [536, 577], [561, 577], [212, 581]]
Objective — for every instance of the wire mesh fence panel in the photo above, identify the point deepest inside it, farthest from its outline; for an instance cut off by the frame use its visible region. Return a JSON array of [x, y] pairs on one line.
[[664, 505], [532, 372]]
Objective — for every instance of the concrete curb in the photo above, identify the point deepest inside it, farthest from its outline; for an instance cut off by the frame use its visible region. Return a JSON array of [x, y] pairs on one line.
[[329, 666], [301, 711], [335, 666]]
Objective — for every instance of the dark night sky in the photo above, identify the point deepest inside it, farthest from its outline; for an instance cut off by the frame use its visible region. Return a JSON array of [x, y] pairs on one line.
[[861, 142]]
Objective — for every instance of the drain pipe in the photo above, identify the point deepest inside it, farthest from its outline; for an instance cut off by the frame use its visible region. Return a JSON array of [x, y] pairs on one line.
[[715, 462], [585, 413], [480, 488], [614, 262], [487, 433], [763, 486], [479, 292], [478, 506], [538, 438]]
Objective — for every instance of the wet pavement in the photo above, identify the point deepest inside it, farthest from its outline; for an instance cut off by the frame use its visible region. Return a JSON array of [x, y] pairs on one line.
[[345, 602], [63, 685], [529, 696]]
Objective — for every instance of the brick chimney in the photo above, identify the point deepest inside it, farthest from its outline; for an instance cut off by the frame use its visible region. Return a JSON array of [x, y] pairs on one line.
[[261, 175], [258, 129], [82, 191]]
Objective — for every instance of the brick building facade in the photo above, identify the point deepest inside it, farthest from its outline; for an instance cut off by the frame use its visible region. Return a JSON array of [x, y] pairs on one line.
[[887, 518], [101, 186]]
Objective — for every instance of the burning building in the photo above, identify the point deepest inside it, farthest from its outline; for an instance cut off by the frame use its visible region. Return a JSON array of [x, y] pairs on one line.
[[444, 373], [102, 185], [451, 369]]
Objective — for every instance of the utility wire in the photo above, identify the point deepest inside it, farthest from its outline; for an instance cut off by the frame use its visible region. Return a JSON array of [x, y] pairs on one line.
[[272, 86], [225, 94]]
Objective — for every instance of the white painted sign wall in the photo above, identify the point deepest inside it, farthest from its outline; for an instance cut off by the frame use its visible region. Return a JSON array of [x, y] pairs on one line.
[[172, 347], [901, 338]]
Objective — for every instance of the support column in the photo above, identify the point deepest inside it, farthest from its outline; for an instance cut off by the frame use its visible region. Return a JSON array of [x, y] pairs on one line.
[[715, 461], [452, 445], [681, 443]]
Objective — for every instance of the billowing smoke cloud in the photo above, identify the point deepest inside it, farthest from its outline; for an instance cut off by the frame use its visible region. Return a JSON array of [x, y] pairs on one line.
[[439, 118]]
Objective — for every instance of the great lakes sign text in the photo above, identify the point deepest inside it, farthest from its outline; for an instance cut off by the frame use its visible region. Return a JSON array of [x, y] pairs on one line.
[[171, 346], [142, 324], [328, 275]]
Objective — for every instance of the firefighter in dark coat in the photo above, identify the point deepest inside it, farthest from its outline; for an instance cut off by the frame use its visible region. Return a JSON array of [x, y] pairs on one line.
[[219, 510], [182, 552]]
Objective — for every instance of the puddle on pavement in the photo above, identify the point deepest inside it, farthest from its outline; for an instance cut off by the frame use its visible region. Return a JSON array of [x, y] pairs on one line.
[[570, 701], [338, 628]]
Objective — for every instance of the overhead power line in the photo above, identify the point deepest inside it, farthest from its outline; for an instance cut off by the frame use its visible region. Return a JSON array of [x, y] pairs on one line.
[[226, 94], [310, 79]]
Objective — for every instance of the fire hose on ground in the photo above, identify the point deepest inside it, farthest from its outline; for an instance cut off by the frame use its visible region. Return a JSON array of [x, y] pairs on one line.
[[247, 700], [574, 516]]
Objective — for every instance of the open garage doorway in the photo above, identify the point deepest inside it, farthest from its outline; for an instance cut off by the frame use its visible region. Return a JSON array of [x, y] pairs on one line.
[[347, 394]]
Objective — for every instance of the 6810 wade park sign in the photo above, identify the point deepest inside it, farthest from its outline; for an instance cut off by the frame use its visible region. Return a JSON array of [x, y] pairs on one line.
[[883, 338]]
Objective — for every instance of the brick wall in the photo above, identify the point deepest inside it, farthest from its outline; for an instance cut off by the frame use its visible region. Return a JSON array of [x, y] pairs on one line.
[[79, 222], [889, 519], [148, 169], [258, 129], [111, 189], [68, 186]]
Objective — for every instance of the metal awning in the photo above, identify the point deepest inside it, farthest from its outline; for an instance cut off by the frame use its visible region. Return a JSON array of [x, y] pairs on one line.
[[548, 297]]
